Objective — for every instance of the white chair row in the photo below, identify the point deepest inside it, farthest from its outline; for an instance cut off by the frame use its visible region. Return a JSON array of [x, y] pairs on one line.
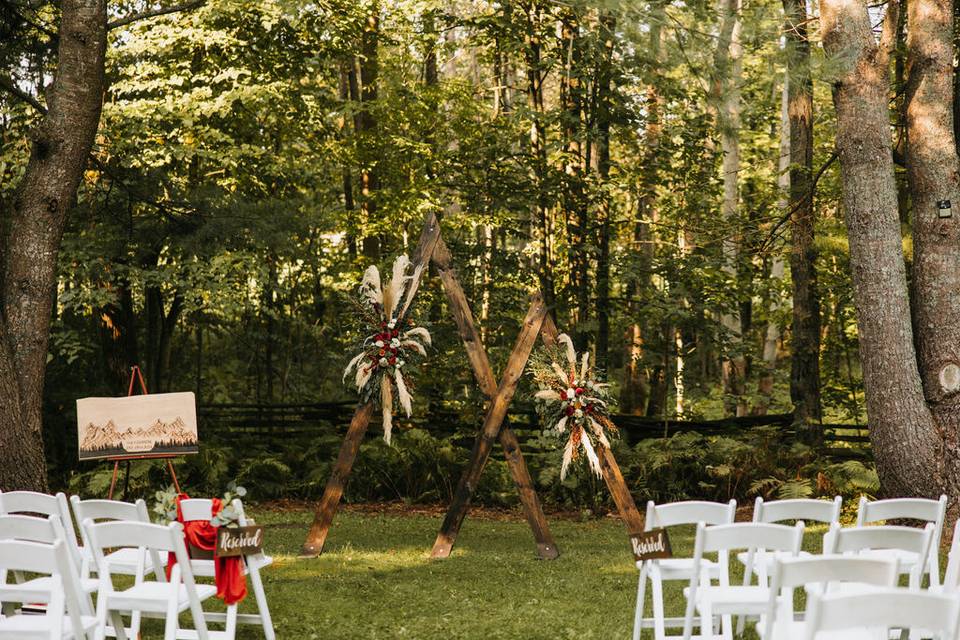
[[130, 546], [915, 551]]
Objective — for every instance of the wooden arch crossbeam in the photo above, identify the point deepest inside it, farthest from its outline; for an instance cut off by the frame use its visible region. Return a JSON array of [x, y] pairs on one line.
[[537, 322]]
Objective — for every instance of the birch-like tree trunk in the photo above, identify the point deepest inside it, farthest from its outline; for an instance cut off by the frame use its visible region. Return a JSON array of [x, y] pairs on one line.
[[729, 69], [771, 342], [60, 146]]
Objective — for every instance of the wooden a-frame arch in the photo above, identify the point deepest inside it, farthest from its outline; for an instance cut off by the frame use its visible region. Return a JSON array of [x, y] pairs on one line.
[[537, 322]]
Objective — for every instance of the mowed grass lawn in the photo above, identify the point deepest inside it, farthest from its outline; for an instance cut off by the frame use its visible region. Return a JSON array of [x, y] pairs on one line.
[[376, 580]]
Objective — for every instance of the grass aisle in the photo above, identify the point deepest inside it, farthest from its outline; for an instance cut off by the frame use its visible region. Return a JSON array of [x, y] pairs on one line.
[[376, 580]]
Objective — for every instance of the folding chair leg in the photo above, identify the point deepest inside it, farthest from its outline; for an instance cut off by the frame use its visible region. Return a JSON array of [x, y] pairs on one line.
[[135, 618], [656, 590], [118, 625], [706, 620], [171, 621], [641, 601], [726, 626], [230, 632], [262, 606]]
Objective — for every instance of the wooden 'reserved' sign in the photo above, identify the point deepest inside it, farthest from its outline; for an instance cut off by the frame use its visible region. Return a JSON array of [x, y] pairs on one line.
[[651, 545], [239, 541]]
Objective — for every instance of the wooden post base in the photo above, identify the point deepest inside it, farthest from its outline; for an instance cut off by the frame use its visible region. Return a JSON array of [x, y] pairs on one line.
[[327, 508]]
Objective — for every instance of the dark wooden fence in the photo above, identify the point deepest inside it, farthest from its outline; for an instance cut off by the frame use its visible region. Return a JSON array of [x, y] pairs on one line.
[[297, 420]]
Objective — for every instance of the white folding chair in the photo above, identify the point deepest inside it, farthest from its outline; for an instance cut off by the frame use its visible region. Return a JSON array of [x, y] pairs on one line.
[[873, 615], [922, 509], [202, 509], [65, 617], [674, 569], [780, 622], [806, 509], [723, 600], [887, 542], [43, 504], [125, 560], [154, 598], [45, 531]]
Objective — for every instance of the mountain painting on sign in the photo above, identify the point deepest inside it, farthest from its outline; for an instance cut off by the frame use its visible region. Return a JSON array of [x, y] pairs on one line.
[[153, 425]]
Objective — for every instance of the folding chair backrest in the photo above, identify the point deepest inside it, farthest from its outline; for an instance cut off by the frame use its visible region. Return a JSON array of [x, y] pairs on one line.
[[30, 502], [856, 539], [689, 512], [43, 504], [97, 510], [853, 539], [120, 534], [903, 509], [196, 509], [29, 528], [107, 510], [884, 609], [806, 509], [790, 573], [749, 535], [54, 560]]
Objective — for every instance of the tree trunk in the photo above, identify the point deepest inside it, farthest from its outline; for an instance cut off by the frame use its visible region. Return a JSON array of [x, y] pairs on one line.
[[900, 421], [805, 340], [538, 149], [604, 78], [636, 383], [729, 66], [933, 169], [771, 342], [59, 149], [572, 105], [367, 128]]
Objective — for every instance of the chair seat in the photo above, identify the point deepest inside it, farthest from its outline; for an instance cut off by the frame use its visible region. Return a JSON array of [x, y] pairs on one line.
[[152, 596], [46, 583], [26, 626], [845, 588], [124, 561], [206, 568], [766, 559], [675, 568], [750, 600], [795, 630], [906, 560]]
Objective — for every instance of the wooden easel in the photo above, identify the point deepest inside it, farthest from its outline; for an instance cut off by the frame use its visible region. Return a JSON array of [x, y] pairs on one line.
[[136, 375]]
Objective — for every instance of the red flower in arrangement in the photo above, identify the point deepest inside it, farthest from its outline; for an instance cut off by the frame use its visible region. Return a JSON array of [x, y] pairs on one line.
[[391, 343], [575, 403]]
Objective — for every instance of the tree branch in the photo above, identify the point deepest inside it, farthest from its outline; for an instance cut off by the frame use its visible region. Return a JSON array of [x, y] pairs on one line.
[[186, 6], [774, 231], [888, 37], [10, 87]]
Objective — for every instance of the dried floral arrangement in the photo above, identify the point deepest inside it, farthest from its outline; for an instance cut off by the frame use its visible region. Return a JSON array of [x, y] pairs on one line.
[[573, 402], [392, 342]]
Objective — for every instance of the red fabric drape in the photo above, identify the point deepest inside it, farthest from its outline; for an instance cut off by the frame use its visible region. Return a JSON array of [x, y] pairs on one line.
[[228, 572]]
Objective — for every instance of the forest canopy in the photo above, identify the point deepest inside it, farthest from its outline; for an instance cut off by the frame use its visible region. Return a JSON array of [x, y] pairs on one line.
[[668, 174]]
